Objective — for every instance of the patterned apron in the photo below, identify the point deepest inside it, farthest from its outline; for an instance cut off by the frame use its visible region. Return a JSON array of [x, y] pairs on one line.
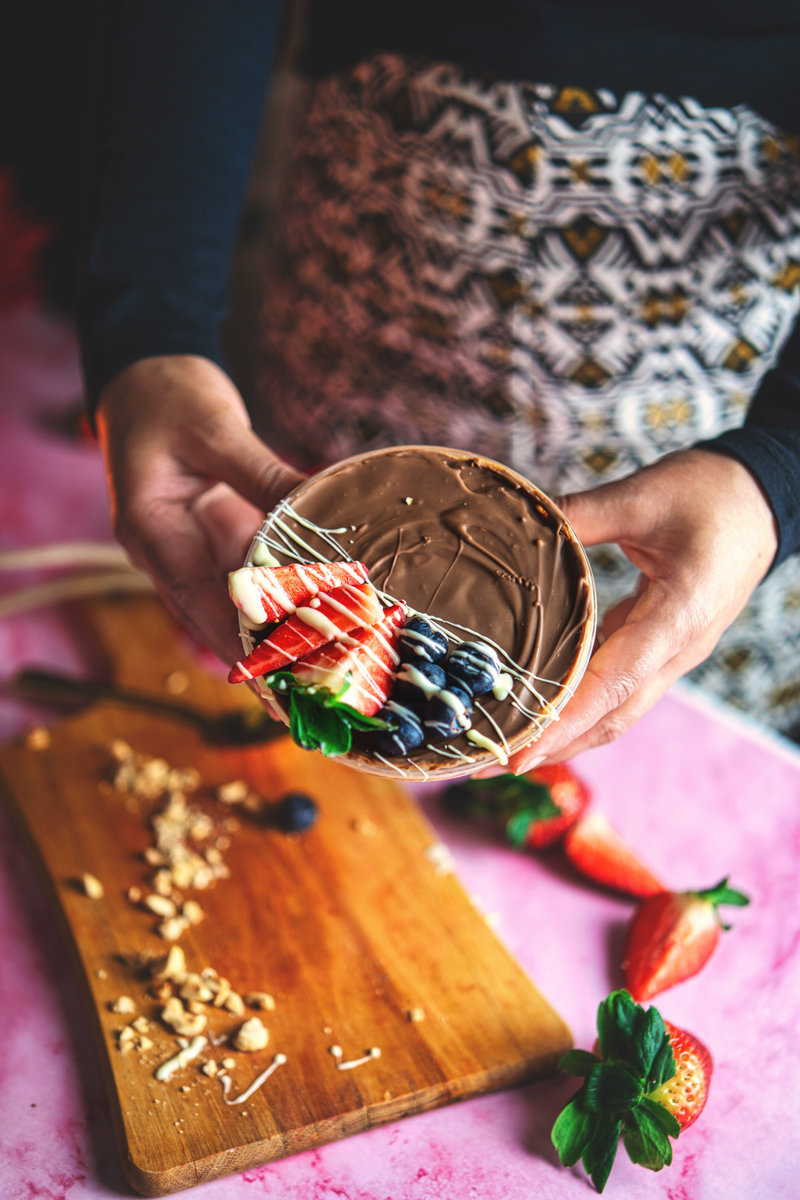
[[570, 281]]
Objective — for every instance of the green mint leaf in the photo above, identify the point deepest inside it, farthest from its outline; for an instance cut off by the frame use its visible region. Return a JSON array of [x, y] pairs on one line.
[[572, 1132], [512, 793], [660, 1115], [611, 1089], [517, 827], [646, 1142], [578, 1062], [598, 1157]]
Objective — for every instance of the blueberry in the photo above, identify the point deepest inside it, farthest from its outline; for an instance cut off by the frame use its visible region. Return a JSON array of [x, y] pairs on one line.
[[419, 641], [404, 733], [473, 666], [296, 812], [449, 712], [416, 682]]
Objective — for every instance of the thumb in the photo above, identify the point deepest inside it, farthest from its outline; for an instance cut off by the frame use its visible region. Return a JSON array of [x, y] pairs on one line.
[[602, 514], [248, 465]]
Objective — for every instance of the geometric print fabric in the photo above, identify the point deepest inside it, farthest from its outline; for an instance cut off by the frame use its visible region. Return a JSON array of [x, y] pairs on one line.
[[570, 281]]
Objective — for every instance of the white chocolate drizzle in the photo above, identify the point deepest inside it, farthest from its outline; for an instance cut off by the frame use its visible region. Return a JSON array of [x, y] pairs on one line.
[[181, 1059], [336, 1053], [258, 1082]]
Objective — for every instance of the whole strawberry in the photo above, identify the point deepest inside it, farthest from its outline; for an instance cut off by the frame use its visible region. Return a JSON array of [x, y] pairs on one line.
[[646, 1083], [672, 936], [537, 808]]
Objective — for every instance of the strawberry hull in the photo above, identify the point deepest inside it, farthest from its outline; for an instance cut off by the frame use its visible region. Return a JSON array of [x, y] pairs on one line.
[[366, 663], [333, 617]]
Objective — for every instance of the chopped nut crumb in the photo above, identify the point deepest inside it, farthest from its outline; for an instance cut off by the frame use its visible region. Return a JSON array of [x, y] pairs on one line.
[[195, 988], [184, 1023], [173, 966], [37, 738], [134, 895], [122, 1004], [228, 1063], [192, 913], [177, 682], [252, 1035], [416, 1014], [234, 1004], [141, 1025], [162, 906], [92, 886], [233, 792], [260, 1000], [171, 929], [101, 973], [209, 1068]]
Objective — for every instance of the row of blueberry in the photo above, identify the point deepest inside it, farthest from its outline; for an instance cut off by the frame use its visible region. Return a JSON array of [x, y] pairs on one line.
[[433, 691]]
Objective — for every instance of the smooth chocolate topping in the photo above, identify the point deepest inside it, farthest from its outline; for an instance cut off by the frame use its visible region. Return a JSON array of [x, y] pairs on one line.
[[472, 545]]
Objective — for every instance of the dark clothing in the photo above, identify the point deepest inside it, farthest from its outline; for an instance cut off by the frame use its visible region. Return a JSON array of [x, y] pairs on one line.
[[188, 81]]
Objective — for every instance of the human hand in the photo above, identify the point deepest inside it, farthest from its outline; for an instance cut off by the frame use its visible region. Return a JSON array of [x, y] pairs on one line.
[[189, 482], [702, 534]]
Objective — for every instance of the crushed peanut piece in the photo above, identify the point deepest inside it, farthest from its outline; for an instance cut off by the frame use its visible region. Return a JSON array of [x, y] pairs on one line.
[[416, 1014], [234, 1004], [171, 929], [162, 906], [192, 913], [195, 988], [92, 886], [252, 1035], [184, 1023], [141, 1025], [228, 1063], [122, 1004], [260, 1000], [173, 966], [233, 792], [37, 738], [209, 1068]]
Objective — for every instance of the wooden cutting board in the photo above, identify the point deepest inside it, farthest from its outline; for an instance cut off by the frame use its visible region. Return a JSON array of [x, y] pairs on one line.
[[357, 928]]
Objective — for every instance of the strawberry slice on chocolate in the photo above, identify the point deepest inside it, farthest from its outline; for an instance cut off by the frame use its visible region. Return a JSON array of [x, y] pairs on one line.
[[360, 669], [326, 618], [266, 594]]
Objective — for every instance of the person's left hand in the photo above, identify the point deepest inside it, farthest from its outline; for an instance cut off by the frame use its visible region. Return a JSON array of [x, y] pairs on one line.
[[702, 534]]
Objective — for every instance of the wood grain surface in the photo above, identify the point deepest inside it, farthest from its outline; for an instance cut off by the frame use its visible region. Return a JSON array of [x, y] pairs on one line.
[[350, 926]]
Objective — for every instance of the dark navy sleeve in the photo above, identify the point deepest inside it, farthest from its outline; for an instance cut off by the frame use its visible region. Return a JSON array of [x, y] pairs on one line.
[[185, 87], [769, 444]]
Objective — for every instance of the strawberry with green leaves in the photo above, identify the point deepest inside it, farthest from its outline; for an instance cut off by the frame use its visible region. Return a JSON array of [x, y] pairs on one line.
[[646, 1082], [537, 808], [672, 936]]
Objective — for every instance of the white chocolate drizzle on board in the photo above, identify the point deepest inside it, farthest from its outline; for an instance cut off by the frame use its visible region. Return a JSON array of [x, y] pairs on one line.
[[282, 543]]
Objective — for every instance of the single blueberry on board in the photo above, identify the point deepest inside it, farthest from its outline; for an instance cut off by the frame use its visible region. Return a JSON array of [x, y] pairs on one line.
[[297, 811]]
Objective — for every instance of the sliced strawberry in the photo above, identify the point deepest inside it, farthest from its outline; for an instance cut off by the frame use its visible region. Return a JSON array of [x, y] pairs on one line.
[[685, 1094], [266, 594], [672, 936], [595, 848], [645, 1082], [330, 617], [365, 662]]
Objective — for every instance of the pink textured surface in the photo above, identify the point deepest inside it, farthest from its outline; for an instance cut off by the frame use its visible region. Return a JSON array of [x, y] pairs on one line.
[[698, 793]]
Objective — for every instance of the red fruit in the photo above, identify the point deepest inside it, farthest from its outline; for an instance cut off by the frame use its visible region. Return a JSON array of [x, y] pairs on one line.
[[569, 794], [685, 1094], [366, 662], [595, 848], [334, 615], [266, 594], [672, 936]]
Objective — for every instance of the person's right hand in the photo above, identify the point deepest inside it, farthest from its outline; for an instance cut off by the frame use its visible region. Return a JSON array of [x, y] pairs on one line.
[[189, 482]]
